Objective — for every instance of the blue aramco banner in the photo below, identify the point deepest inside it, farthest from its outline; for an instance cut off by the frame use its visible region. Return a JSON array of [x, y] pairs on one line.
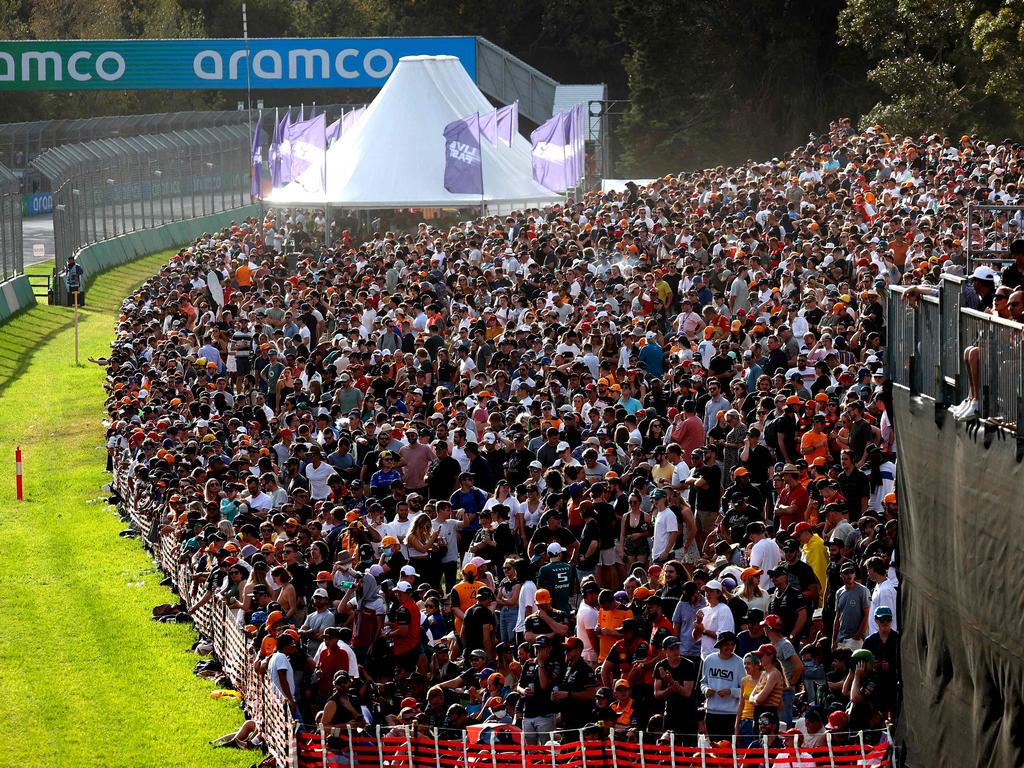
[[333, 62]]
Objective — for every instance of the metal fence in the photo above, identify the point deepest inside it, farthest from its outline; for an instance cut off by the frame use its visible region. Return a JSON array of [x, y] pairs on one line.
[[21, 143], [12, 260], [108, 187], [925, 350]]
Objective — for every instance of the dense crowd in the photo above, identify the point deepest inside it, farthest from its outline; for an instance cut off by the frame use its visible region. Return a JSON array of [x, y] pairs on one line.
[[622, 464]]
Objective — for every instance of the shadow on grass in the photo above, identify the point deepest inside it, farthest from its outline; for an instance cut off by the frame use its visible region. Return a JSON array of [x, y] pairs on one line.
[[28, 331]]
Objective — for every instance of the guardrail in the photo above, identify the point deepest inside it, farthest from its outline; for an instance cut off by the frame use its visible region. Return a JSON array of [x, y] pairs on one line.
[[214, 620], [926, 345]]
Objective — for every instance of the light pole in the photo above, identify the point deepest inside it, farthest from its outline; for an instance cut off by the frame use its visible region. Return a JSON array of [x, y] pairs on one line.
[[209, 180], [113, 210], [159, 190]]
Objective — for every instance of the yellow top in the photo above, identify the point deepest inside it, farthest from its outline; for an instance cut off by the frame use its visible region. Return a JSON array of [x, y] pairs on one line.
[[817, 557]]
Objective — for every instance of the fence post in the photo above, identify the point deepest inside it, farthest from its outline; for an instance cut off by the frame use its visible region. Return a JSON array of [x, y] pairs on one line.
[[672, 747], [583, 750], [831, 754], [380, 747], [990, 402], [643, 748], [465, 749], [735, 750], [554, 757], [323, 744], [611, 742], [863, 752], [437, 749]]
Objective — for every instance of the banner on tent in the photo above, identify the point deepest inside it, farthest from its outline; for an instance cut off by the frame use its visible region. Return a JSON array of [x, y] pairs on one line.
[[337, 62]]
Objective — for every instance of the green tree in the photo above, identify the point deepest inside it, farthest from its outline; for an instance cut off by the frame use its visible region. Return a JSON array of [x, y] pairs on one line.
[[921, 59]]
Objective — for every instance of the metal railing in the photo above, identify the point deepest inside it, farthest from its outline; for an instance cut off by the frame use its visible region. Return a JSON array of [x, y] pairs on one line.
[[110, 187], [214, 620], [12, 259], [926, 345]]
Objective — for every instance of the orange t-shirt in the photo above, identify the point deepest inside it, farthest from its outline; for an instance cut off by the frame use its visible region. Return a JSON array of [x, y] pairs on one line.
[[609, 619], [817, 442], [466, 594], [243, 275]]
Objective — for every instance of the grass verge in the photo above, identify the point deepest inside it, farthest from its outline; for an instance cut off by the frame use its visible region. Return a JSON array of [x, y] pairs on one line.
[[86, 678]]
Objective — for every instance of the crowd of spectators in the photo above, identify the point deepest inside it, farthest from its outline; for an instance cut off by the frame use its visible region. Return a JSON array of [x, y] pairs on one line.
[[621, 464]]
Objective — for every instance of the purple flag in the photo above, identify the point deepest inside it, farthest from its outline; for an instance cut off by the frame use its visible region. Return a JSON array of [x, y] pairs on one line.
[[257, 159], [549, 154], [349, 119], [463, 166], [308, 147], [333, 132], [489, 126], [507, 119], [281, 170]]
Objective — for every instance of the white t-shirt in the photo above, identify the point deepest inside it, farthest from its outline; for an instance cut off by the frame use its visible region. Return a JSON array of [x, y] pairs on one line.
[[527, 595], [718, 619], [586, 618], [765, 555], [665, 524], [279, 662], [317, 476]]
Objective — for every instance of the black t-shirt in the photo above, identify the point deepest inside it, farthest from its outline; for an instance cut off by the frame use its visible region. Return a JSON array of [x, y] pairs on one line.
[[854, 487], [758, 463], [787, 605], [605, 516], [443, 474], [591, 532], [477, 617], [801, 575], [683, 673], [578, 677], [708, 499], [785, 427], [302, 580], [539, 704]]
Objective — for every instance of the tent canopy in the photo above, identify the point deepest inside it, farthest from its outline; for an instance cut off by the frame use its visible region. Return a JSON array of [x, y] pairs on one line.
[[394, 156]]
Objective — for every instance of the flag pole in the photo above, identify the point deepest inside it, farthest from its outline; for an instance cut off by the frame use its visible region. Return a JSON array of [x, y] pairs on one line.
[[248, 71], [480, 144]]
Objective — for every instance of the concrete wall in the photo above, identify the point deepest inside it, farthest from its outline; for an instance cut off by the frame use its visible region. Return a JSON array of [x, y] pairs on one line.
[[15, 295], [99, 257], [962, 590]]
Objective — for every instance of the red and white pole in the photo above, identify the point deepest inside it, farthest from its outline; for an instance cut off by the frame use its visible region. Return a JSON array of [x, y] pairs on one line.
[[17, 467]]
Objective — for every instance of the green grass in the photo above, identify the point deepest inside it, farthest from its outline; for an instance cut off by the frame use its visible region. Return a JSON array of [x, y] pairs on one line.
[[86, 677]]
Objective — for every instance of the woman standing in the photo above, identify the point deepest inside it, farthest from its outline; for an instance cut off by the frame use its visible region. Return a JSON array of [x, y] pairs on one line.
[[751, 592], [766, 695], [634, 534], [508, 601]]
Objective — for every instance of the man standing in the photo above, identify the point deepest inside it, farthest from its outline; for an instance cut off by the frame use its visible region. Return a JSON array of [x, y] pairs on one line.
[[73, 274], [540, 675], [720, 681], [853, 601], [883, 594]]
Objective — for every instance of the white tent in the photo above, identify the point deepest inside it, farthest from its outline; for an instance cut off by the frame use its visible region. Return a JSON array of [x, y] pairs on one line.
[[394, 156]]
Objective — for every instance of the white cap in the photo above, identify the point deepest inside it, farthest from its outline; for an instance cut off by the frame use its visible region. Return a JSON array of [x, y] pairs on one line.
[[489, 437], [403, 586], [408, 570], [536, 465], [984, 273], [714, 584], [321, 593], [554, 548], [563, 446], [202, 423]]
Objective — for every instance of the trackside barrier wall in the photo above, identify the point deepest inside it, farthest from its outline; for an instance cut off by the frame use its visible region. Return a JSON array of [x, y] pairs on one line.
[[417, 747], [101, 256], [15, 295]]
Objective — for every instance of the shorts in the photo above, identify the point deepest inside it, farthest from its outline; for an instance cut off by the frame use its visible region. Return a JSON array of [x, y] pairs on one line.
[[706, 519], [609, 557], [851, 644]]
